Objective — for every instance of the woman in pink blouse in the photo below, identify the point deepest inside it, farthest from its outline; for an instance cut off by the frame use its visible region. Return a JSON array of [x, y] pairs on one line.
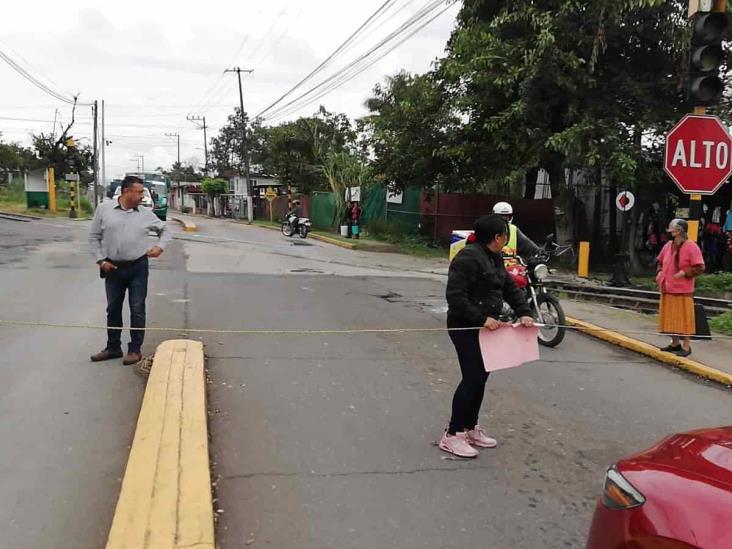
[[679, 263]]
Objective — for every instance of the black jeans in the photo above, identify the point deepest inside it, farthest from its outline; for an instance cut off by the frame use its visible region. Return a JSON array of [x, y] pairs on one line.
[[130, 278], [469, 393]]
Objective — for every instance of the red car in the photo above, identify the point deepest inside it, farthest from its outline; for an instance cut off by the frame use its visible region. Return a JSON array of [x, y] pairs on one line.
[[676, 495]]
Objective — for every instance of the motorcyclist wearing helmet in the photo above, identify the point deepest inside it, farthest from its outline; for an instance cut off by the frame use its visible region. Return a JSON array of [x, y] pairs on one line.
[[518, 243], [296, 212]]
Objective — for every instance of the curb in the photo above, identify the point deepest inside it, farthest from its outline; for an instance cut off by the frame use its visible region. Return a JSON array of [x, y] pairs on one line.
[[641, 347], [334, 241], [165, 500], [23, 216], [187, 225]]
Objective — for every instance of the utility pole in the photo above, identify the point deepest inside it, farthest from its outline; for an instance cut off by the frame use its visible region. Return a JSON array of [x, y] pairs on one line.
[[104, 153], [140, 157], [95, 108], [244, 147], [178, 136], [196, 119]]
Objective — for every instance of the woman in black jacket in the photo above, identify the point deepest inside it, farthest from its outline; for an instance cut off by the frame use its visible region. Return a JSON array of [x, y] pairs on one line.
[[477, 284]]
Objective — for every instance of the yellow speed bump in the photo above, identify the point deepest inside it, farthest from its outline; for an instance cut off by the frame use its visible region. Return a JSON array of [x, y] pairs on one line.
[[652, 351], [165, 501], [188, 226]]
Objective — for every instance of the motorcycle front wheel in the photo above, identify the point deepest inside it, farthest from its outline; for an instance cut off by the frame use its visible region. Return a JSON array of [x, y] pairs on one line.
[[303, 230], [287, 229], [551, 314]]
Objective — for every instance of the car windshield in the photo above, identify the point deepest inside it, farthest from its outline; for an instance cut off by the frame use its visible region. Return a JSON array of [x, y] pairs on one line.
[[160, 188]]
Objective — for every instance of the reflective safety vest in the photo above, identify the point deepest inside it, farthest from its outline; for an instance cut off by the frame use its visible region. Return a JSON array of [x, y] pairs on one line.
[[511, 246]]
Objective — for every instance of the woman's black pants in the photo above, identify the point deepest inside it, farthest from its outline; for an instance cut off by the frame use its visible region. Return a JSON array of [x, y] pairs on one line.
[[469, 393]]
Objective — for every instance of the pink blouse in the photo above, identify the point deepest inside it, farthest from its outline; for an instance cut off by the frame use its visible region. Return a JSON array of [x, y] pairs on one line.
[[689, 256]]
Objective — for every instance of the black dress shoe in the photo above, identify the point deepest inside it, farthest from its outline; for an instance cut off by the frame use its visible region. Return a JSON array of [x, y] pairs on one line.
[[683, 352], [671, 348], [106, 354]]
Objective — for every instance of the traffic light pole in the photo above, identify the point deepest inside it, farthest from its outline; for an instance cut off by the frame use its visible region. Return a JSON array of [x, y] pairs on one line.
[[706, 55]]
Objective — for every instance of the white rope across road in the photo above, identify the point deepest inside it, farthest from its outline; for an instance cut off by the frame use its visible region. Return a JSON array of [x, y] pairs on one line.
[[345, 331]]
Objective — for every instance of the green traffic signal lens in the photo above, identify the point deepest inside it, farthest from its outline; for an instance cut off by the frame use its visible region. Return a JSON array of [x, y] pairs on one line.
[[707, 58]]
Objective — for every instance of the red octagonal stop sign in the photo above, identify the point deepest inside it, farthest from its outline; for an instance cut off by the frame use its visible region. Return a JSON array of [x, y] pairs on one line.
[[699, 154]]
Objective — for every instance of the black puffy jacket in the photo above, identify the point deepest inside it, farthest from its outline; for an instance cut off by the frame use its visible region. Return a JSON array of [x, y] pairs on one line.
[[477, 284]]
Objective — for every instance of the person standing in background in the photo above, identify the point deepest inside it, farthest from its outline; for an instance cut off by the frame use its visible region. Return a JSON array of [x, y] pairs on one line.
[[679, 263]]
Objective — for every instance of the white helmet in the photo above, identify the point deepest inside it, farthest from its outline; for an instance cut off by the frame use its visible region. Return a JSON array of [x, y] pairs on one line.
[[503, 208]]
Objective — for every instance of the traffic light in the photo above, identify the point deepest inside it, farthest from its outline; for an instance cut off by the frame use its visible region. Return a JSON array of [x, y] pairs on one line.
[[706, 55]]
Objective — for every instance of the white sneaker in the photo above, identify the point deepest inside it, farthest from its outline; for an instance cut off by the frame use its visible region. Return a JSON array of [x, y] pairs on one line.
[[457, 445], [477, 437]]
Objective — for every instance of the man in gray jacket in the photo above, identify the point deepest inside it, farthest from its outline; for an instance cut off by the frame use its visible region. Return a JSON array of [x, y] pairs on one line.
[[118, 239]]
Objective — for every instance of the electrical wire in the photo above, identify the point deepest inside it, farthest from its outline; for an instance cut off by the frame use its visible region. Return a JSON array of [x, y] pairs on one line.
[[40, 85], [364, 61], [328, 59], [339, 77]]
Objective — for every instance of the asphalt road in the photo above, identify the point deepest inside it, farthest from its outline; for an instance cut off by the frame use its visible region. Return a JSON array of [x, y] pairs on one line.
[[317, 441], [67, 423]]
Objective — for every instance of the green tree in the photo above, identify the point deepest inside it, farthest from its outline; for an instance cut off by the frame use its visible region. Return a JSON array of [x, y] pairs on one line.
[[343, 170], [295, 151], [214, 188], [411, 133], [183, 172], [226, 147], [564, 85], [15, 157]]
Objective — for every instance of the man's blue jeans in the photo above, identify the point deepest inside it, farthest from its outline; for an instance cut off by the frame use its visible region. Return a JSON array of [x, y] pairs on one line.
[[130, 278]]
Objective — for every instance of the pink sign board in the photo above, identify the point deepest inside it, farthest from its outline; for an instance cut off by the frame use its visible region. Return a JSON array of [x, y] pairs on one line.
[[508, 347]]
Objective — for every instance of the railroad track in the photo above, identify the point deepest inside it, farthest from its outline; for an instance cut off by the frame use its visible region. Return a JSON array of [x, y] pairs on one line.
[[644, 301]]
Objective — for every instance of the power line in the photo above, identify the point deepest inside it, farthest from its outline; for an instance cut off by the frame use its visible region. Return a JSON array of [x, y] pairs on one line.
[[40, 85], [364, 61], [87, 123], [328, 59]]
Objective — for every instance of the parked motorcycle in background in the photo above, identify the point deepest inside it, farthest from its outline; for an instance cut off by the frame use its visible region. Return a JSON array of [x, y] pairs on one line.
[[302, 227], [545, 307]]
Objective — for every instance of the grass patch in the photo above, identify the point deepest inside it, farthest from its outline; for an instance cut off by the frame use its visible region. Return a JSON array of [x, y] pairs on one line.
[[722, 323], [714, 284], [12, 200]]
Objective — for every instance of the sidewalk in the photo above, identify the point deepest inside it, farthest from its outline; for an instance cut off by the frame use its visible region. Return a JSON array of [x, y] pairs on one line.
[[714, 354]]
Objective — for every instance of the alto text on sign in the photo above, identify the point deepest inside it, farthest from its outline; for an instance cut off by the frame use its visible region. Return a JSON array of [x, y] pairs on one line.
[[699, 154]]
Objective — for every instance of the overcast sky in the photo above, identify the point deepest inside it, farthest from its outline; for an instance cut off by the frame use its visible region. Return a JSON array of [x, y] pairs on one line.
[[155, 62]]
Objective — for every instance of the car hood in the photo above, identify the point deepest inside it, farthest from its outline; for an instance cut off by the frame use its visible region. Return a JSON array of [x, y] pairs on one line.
[[704, 456]]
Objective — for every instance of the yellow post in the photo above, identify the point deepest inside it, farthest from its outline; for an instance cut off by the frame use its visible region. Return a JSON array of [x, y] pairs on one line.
[[78, 197], [695, 213], [583, 266], [51, 190]]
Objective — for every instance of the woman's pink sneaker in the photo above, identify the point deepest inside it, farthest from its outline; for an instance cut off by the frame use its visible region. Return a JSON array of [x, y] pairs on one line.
[[477, 437], [457, 445]]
